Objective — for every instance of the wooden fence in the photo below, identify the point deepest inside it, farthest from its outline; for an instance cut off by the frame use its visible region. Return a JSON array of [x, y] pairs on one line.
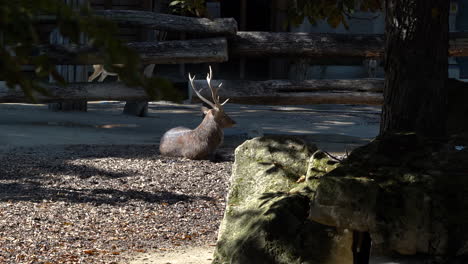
[[219, 40]]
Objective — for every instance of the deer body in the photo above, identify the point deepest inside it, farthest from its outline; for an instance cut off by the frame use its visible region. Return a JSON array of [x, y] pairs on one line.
[[198, 143], [201, 142]]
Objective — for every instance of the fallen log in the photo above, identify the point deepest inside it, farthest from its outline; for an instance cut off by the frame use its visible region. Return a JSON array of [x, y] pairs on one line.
[[163, 52]]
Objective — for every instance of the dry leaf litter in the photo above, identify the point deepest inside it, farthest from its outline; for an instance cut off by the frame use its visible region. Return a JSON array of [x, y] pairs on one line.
[[101, 204]]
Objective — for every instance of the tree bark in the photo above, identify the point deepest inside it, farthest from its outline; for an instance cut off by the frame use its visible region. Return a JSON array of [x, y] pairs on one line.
[[416, 68]]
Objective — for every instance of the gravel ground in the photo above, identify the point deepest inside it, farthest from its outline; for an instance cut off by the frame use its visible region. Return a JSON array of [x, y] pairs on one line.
[[99, 204]]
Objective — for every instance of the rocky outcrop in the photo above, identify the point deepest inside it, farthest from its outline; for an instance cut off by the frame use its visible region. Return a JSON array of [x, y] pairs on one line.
[[290, 203], [266, 219]]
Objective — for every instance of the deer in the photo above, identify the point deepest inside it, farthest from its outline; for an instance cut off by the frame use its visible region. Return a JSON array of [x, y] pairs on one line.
[[201, 142], [103, 73], [99, 70]]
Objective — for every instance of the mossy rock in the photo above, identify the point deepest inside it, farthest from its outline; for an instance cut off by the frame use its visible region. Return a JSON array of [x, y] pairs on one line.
[[266, 219], [268, 164], [320, 164]]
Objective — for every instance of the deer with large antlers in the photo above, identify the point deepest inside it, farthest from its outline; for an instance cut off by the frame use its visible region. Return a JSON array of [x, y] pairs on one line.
[[201, 142]]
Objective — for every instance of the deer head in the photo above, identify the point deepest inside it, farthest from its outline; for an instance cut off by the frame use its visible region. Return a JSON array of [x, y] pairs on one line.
[[216, 111]]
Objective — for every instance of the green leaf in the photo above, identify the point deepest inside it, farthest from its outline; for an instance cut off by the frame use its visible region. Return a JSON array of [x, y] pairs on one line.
[[335, 20], [173, 3]]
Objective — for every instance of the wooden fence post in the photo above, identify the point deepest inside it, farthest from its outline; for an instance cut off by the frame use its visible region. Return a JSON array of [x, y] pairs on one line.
[[140, 108], [71, 73]]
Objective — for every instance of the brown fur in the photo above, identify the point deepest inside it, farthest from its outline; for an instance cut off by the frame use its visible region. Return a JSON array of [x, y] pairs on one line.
[[199, 143]]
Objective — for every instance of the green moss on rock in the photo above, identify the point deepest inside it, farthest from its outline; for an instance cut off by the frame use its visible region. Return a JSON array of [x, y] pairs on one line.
[[266, 219], [320, 164]]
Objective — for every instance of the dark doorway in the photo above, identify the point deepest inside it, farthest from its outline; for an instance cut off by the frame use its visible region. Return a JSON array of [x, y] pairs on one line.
[[251, 15], [361, 247]]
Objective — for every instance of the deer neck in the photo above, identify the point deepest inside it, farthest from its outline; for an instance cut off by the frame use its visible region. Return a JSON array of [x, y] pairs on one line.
[[208, 128]]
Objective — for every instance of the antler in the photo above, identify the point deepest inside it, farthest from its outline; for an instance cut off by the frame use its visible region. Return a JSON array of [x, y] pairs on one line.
[[214, 91], [198, 92]]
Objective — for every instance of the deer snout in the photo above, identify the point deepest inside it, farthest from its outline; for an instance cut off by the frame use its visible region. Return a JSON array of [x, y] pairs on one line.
[[230, 123]]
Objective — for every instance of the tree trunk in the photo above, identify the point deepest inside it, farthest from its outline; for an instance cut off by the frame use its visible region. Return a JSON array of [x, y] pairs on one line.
[[416, 68]]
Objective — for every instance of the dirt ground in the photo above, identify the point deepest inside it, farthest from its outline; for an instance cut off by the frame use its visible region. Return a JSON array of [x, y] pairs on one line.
[[102, 165], [192, 255]]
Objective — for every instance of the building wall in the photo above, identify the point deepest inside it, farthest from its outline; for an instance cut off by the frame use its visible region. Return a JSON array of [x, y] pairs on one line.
[[458, 67]]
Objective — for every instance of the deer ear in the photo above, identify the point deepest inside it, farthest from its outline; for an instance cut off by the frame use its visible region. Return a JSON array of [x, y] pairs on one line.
[[205, 110]]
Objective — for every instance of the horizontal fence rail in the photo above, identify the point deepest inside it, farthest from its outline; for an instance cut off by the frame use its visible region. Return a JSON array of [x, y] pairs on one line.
[[273, 92], [322, 49], [88, 91], [166, 22], [152, 20], [324, 46], [162, 52], [363, 91], [287, 92], [224, 42]]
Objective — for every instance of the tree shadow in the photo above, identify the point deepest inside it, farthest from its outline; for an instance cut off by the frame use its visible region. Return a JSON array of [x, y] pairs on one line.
[[278, 230], [36, 193], [283, 145], [30, 175]]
